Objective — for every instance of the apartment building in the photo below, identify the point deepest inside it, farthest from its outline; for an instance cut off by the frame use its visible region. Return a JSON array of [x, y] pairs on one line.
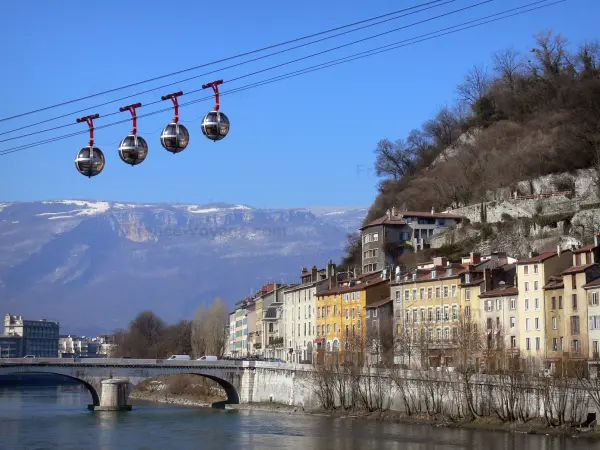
[[273, 331], [267, 295], [426, 310], [240, 348], [592, 290], [500, 318], [300, 311], [30, 337], [386, 238], [533, 274], [231, 349], [554, 292], [380, 332], [341, 312]]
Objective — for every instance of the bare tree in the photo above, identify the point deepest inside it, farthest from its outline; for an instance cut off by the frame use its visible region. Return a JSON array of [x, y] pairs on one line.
[[551, 55], [508, 66], [444, 128], [394, 159], [475, 85], [209, 333]]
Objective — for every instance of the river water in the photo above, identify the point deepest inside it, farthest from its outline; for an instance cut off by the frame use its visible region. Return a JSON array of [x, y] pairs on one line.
[[37, 418]]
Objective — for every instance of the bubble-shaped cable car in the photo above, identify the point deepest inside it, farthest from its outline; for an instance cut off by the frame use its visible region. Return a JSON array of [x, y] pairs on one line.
[[90, 160], [133, 149], [215, 124], [174, 137]]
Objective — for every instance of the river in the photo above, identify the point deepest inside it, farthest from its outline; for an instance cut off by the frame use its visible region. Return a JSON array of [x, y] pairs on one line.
[[57, 418]]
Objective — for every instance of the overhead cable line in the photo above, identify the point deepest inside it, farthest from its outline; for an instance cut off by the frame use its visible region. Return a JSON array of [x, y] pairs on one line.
[[213, 71], [377, 50], [218, 61], [249, 74]]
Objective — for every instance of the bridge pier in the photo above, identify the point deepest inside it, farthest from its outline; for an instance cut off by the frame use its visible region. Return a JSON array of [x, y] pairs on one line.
[[114, 396]]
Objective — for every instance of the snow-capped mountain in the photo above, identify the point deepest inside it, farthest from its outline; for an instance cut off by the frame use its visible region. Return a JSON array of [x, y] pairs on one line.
[[93, 265]]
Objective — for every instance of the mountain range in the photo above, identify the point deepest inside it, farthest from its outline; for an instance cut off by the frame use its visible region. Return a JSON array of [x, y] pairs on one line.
[[93, 265]]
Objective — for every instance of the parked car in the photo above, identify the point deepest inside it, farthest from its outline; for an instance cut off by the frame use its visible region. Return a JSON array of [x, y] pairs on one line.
[[179, 358], [207, 358], [28, 356]]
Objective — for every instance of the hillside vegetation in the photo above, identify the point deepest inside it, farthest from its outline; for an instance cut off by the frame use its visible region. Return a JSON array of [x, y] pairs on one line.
[[532, 113]]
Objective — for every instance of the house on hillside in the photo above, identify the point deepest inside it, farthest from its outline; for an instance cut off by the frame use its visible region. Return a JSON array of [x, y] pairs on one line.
[[386, 238]]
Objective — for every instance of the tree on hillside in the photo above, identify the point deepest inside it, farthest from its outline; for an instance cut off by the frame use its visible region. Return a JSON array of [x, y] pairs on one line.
[[394, 159], [475, 85], [144, 338], [209, 334]]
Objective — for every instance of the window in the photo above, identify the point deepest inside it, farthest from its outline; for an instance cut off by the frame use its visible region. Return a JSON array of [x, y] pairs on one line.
[[537, 344], [467, 294], [594, 299], [575, 346], [422, 293], [526, 270], [489, 323], [574, 325], [438, 314], [406, 295], [513, 342], [595, 347], [446, 313], [407, 316], [446, 334], [554, 323], [346, 313], [553, 302], [560, 305], [446, 291], [368, 313], [527, 344], [536, 285], [527, 328], [453, 290], [513, 322], [415, 315], [499, 304], [574, 281], [562, 344], [347, 330], [535, 268], [555, 344], [429, 293], [318, 313], [513, 303], [353, 314], [527, 286], [375, 237], [574, 302], [374, 313], [454, 312], [488, 305], [398, 296], [423, 315], [430, 314], [537, 323], [467, 311], [526, 304], [414, 294], [536, 304]]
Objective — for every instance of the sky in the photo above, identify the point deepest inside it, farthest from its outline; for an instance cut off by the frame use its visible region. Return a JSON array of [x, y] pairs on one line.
[[303, 141]]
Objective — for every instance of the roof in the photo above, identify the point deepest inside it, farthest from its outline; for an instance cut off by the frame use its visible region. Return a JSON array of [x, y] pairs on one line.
[[592, 284], [440, 272], [499, 292], [555, 283], [539, 258], [587, 248], [365, 283], [398, 220], [577, 269], [380, 303]]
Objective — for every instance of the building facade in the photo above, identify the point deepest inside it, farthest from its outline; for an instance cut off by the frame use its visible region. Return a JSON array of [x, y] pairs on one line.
[[380, 332], [533, 274], [386, 238], [37, 337]]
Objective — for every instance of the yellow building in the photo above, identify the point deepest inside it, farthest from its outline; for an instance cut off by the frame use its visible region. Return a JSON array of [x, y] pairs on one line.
[[554, 309], [533, 274], [341, 311]]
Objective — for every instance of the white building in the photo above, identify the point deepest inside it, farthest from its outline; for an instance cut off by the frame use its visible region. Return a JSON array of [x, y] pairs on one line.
[[499, 312], [230, 346], [299, 313]]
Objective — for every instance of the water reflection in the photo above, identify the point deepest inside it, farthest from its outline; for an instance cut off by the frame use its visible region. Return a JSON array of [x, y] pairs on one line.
[[50, 417]]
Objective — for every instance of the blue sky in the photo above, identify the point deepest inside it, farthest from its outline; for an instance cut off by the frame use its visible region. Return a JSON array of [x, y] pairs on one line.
[[304, 141]]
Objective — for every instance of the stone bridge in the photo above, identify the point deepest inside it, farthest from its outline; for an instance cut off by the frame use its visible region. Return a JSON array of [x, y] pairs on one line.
[[110, 380]]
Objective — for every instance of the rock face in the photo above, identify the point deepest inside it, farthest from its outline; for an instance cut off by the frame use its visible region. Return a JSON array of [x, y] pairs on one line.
[[94, 265]]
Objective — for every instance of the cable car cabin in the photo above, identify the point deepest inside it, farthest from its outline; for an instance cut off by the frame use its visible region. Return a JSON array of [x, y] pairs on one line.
[[90, 161], [175, 137], [133, 149], [215, 125]]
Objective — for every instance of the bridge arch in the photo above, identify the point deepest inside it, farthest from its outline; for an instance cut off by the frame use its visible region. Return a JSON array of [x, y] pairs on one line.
[[233, 396], [91, 389]]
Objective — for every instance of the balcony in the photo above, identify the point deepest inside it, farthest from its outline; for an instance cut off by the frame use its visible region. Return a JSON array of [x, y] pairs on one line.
[[275, 341]]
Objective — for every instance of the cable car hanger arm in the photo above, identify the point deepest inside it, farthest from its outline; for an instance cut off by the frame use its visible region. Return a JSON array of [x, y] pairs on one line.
[[90, 121], [215, 87], [175, 103], [131, 109]]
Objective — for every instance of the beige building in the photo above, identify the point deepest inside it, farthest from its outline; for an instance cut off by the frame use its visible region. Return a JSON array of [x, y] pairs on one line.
[[533, 274], [554, 293]]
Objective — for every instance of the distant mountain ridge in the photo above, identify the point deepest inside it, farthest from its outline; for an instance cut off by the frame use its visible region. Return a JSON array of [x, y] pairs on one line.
[[93, 264]]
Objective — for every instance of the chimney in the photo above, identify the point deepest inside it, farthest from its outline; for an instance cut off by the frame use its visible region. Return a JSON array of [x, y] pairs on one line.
[[432, 210], [475, 257], [558, 250], [531, 254], [393, 211], [304, 271], [388, 213], [440, 261], [314, 273]]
